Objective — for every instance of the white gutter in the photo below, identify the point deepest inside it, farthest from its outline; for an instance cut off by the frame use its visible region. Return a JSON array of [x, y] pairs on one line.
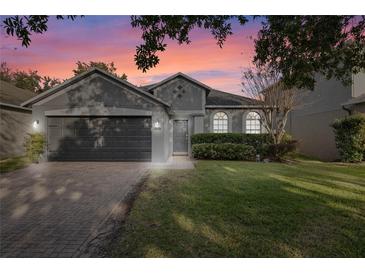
[[15, 107]]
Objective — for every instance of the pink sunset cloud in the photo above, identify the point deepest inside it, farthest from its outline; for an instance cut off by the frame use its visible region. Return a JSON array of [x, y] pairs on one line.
[[112, 39]]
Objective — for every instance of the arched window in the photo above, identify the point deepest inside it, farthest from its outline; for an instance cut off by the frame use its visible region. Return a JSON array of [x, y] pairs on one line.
[[220, 122], [253, 123]]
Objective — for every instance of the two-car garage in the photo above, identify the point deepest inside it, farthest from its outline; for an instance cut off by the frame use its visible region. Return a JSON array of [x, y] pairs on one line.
[[99, 138], [96, 116]]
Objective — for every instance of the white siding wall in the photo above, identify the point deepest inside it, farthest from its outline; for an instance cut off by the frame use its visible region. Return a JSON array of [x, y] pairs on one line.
[[358, 86]]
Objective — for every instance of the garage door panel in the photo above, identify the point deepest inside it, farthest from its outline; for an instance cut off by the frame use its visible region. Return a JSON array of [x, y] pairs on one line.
[[96, 138], [124, 133], [107, 142], [124, 147]]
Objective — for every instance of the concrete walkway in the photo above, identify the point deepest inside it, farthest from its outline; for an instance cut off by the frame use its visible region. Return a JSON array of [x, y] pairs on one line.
[[175, 162], [58, 209]]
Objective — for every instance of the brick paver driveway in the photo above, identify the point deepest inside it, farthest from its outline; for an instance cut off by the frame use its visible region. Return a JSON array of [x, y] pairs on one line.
[[56, 209]]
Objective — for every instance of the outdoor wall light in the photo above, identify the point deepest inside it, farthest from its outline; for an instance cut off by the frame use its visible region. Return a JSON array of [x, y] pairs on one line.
[[157, 125], [35, 124]]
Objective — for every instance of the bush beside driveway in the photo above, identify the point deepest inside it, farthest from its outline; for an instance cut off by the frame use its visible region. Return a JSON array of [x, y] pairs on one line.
[[14, 163], [245, 209]]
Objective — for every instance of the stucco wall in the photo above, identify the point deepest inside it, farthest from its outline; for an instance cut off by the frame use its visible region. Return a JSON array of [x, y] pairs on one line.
[[99, 96], [236, 119], [315, 134], [15, 124], [310, 121], [182, 94], [96, 91]]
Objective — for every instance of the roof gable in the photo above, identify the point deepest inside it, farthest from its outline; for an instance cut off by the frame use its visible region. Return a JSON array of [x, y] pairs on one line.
[[179, 74], [86, 74]]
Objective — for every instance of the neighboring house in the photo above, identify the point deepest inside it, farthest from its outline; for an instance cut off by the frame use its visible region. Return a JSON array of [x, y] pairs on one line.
[[96, 116], [15, 120], [311, 121]]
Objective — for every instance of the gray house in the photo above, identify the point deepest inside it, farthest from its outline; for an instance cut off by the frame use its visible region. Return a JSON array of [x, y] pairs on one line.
[[97, 116]]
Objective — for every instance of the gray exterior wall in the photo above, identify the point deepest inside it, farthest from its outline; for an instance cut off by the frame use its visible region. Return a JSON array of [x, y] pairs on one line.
[[187, 101], [198, 124], [182, 94], [310, 121], [236, 119], [15, 124], [97, 95]]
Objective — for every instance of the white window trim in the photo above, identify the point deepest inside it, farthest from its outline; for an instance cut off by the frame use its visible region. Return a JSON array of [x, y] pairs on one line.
[[251, 123], [220, 122]]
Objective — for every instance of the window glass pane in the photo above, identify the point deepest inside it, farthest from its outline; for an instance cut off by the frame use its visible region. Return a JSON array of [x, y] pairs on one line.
[[220, 122], [253, 123]]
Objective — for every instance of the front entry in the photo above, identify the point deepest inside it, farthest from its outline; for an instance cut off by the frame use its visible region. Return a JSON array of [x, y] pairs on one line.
[[180, 141]]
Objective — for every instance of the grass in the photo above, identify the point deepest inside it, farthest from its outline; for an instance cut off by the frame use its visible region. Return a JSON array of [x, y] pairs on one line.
[[14, 163], [246, 209]]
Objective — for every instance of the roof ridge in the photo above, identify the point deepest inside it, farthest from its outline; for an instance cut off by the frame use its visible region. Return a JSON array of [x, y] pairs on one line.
[[177, 75]]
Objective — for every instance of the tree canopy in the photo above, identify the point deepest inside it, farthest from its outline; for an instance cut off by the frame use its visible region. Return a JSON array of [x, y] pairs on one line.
[[300, 46], [155, 29], [108, 67], [33, 81], [297, 46], [24, 26], [30, 80]]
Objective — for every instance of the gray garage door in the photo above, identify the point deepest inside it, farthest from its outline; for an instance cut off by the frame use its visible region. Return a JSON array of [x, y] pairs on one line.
[[99, 138]]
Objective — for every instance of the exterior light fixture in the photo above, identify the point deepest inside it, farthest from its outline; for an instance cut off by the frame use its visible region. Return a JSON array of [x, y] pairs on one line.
[[35, 124], [157, 125]]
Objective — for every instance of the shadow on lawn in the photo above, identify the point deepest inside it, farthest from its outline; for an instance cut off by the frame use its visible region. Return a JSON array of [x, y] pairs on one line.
[[268, 216]]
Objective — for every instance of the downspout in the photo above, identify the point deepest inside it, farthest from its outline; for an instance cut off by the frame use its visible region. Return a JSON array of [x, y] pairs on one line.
[[349, 111]]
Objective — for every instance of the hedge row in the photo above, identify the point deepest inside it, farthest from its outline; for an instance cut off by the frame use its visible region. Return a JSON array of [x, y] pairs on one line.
[[350, 137], [226, 151], [257, 141]]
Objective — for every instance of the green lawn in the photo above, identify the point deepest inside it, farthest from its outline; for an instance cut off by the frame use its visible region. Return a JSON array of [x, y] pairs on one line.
[[11, 164], [244, 209]]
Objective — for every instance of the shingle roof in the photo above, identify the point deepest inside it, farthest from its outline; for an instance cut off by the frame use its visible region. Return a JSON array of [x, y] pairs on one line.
[[221, 98], [10, 94]]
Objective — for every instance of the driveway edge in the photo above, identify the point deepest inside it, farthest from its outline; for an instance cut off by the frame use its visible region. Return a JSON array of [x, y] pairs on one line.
[[99, 242]]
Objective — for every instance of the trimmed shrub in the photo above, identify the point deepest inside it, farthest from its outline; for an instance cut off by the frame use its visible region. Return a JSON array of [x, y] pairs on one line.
[[278, 151], [226, 151], [350, 137], [216, 138], [34, 146], [257, 141]]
